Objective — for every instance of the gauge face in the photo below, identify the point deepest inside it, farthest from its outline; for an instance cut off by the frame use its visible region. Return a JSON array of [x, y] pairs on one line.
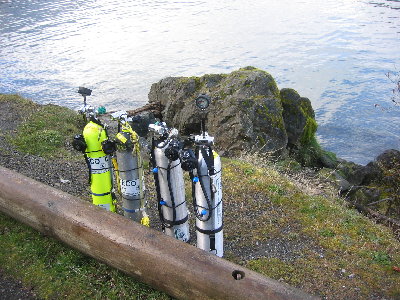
[[202, 101]]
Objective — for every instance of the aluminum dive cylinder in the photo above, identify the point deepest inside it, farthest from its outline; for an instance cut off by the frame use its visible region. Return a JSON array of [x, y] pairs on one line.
[[208, 201], [99, 164], [171, 192], [131, 176]]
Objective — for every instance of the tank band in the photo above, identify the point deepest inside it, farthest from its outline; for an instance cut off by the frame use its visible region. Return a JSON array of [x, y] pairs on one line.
[[208, 232], [134, 210], [179, 222], [94, 194]]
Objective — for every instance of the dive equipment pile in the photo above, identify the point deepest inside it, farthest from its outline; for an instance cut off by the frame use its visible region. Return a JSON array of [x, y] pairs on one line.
[[169, 158]]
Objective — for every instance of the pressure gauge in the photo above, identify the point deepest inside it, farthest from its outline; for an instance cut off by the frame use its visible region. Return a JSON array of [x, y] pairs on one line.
[[203, 101]]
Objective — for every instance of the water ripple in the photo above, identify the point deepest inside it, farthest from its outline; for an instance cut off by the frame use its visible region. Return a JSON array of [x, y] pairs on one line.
[[335, 52]]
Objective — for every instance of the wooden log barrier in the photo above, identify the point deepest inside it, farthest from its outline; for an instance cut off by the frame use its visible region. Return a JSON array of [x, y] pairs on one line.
[[179, 269]]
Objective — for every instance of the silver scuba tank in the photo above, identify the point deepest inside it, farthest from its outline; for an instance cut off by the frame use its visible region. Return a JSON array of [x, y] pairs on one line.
[[169, 181], [129, 171], [208, 197]]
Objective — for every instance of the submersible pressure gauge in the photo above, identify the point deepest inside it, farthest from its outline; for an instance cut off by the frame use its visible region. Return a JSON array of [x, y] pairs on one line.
[[203, 101]]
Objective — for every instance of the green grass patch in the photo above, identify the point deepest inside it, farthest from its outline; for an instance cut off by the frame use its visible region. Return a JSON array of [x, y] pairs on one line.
[[23, 107], [342, 248], [41, 129], [57, 271], [47, 130]]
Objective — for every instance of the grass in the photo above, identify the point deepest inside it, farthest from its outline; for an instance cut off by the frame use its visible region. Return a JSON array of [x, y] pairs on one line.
[[338, 238], [324, 247], [47, 130], [43, 129], [59, 272]]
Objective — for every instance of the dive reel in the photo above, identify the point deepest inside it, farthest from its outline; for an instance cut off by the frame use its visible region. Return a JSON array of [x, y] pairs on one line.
[[96, 148], [129, 170], [204, 166], [168, 176]]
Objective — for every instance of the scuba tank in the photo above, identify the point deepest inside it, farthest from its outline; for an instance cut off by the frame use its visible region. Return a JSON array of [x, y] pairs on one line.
[[96, 147], [204, 166], [207, 200], [129, 170], [168, 176]]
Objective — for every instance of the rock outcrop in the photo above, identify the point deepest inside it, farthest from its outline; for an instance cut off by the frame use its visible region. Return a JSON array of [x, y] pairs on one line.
[[248, 111], [376, 185]]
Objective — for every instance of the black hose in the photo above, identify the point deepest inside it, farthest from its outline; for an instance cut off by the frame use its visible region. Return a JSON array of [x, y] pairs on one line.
[[157, 184], [171, 193], [209, 208]]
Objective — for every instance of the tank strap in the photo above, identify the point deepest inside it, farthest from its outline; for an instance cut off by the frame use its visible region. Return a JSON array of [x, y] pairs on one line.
[[179, 222], [103, 194], [212, 242], [134, 210], [94, 151], [140, 199], [173, 206], [209, 232], [89, 167], [169, 167], [122, 171]]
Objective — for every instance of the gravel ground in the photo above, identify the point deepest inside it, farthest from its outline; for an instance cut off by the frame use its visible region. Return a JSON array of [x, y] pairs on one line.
[[12, 289]]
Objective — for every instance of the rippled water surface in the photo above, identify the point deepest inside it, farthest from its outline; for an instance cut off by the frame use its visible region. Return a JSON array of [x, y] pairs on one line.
[[335, 52]]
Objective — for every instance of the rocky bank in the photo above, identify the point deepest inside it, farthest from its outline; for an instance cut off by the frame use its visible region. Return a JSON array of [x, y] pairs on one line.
[[249, 113]]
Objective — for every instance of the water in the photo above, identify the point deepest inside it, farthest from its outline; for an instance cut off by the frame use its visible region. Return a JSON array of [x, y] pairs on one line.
[[335, 52]]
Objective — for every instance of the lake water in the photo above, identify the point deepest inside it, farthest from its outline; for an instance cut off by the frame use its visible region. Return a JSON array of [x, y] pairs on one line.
[[335, 52]]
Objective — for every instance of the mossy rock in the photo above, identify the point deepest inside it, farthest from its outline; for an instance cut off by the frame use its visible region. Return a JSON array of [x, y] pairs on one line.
[[299, 118], [245, 114]]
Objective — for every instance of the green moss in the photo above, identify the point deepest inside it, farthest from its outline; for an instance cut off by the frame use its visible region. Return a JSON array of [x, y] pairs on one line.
[[309, 131], [381, 258], [222, 95], [197, 81], [261, 140], [310, 154], [247, 103], [276, 269], [262, 110]]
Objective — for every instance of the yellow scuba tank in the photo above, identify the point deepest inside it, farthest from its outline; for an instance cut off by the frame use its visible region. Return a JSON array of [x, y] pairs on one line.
[[99, 164]]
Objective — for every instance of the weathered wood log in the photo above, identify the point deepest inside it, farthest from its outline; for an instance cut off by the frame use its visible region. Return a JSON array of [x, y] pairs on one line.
[[155, 108], [380, 218], [179, 269]]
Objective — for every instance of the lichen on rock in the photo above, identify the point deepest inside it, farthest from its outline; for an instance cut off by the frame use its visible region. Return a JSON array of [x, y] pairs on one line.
[[248, 111]]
